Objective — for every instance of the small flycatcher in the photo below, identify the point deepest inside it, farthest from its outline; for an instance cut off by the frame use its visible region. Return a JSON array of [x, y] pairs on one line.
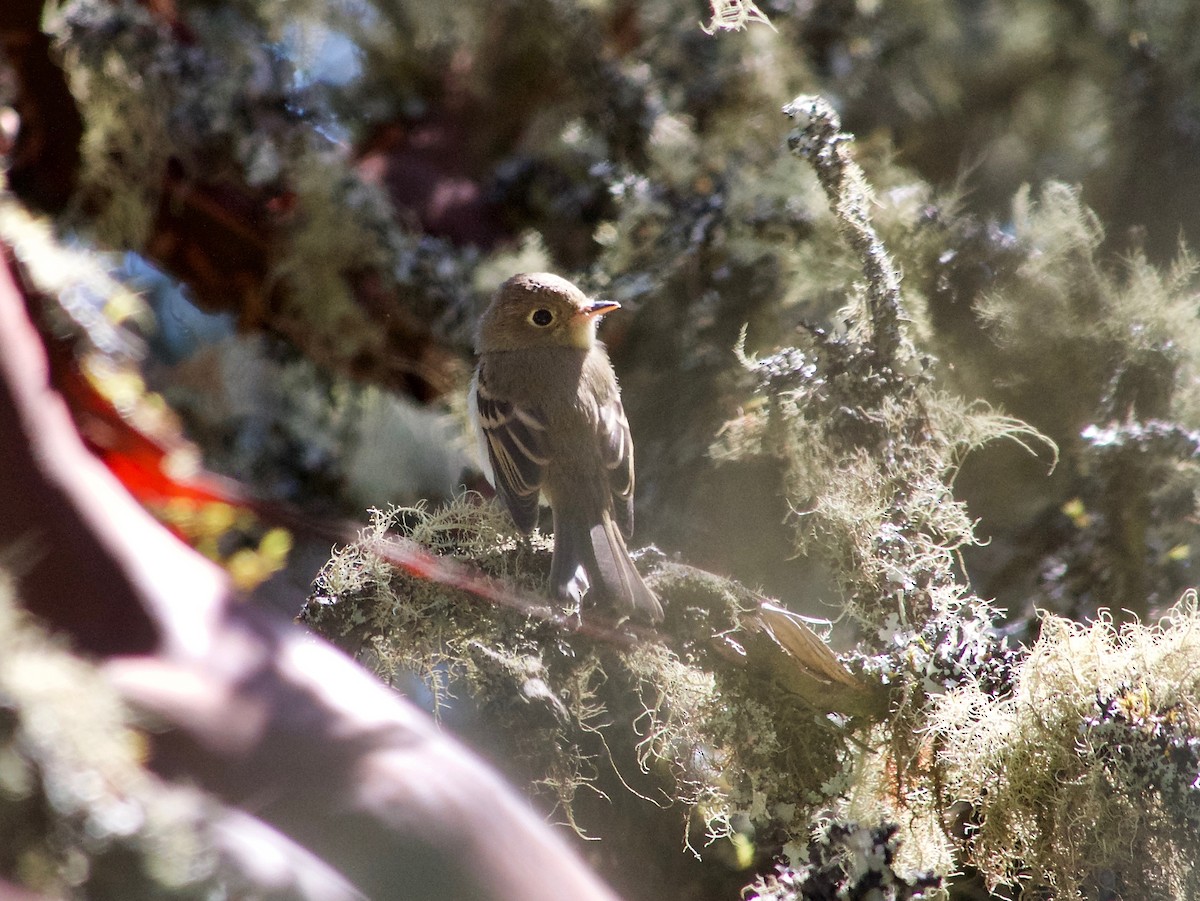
[[548, 411]]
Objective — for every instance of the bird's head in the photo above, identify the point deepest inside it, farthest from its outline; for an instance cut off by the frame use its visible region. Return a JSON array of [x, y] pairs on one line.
[[540, 309]]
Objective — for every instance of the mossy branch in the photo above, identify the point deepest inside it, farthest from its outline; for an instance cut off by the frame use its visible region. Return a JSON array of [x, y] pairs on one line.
[[725, 706], [819, 139]]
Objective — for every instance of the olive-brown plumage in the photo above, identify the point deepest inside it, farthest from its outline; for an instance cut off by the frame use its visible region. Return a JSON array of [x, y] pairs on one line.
[[548, 410]]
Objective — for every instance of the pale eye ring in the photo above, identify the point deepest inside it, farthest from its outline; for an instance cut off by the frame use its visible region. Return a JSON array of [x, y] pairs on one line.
[[541, 317]]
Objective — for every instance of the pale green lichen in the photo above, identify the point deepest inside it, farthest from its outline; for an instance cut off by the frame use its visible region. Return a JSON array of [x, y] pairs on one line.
[[711, 737], [868, 448], [1119, 339], [1058, 772], [400, 623]]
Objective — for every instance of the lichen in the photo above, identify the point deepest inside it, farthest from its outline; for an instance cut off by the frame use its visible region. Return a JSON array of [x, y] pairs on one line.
[[1085, 775], [706, 735], [1048, 304], [848, 861]]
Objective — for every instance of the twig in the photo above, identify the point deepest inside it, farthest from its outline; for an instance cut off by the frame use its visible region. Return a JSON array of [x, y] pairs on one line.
[[819, 139]]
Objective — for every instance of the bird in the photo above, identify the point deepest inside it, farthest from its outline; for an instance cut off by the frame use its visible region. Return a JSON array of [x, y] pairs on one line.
[[550, 422]]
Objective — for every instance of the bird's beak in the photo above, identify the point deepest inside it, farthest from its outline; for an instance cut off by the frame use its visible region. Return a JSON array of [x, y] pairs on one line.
[[598, 308], [582, 325]]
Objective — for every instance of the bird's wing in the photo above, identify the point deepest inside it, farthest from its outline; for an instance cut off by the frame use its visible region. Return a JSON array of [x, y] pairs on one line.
[[515, 439], [616, 447]]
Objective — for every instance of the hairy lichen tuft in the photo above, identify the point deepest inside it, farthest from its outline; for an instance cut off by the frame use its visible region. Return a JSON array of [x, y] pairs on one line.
[[1087, 772]]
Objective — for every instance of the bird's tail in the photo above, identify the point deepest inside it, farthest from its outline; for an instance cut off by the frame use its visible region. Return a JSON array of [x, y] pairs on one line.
[[598, 548]]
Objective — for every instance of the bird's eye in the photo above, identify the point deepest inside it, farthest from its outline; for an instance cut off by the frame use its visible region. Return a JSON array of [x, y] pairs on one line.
[[541, 317]]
